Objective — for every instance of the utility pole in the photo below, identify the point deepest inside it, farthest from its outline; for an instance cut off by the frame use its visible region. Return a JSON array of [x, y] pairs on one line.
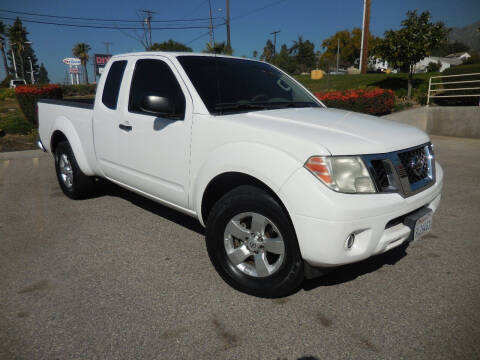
[[338, 52], [148, 22], [229, 45], [365, 36], [211, 25], [107, 46], [274, 33]]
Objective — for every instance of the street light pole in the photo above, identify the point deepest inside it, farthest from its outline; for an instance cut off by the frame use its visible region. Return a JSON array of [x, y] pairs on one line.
[[14, 63], [32, 78]]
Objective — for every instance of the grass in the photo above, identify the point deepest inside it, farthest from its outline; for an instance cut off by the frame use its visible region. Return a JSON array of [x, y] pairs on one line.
[[395, 82], [16, 132]]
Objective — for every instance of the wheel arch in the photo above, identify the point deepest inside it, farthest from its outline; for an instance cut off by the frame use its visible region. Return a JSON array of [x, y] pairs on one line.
[[227, 181], [63, 130]]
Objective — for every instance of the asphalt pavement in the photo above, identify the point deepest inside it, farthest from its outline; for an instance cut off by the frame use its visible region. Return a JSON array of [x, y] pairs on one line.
[[120, 277]]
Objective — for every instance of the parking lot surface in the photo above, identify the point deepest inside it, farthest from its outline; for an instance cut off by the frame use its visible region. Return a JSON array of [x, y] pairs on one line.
[[120, 277]]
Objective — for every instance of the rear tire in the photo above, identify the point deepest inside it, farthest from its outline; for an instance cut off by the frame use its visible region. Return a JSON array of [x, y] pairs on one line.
[[73, 182], [245, 232]]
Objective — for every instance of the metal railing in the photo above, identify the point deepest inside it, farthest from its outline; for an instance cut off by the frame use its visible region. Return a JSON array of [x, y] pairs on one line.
[[430, 84]]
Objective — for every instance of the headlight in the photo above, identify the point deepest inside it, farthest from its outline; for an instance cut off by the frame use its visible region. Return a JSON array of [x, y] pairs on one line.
[[346, 174]]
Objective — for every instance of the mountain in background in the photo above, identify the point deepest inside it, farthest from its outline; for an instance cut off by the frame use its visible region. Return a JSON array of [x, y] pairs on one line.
[[469, 35]]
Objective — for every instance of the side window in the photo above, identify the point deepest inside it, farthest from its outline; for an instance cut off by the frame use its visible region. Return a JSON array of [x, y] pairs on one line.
[[154, 77], [112, 84]]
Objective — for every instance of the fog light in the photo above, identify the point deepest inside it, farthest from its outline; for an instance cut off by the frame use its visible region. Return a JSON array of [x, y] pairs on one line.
[[350, 240]]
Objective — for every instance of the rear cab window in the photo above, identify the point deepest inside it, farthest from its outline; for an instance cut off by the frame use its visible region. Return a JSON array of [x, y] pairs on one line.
[[112, 84]]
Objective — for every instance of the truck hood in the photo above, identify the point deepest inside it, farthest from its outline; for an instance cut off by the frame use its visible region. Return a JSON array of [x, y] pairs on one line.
[[338, 131]]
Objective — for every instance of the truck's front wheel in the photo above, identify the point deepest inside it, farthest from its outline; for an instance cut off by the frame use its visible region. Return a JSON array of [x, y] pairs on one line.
[[252, 244], [74, 183]]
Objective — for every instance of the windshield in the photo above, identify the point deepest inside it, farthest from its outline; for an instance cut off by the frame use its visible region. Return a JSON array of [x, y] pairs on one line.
[[18, 82], [229, 85]]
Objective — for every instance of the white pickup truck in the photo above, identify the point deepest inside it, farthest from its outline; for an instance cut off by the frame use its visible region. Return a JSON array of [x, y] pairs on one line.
[[283, 185]]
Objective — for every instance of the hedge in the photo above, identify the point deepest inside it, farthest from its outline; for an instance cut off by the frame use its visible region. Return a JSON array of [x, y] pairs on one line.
[[28, 95], [458, 70], [76, 90], [369, 101]]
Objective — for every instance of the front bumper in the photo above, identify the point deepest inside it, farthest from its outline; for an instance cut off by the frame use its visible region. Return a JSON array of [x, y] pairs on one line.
[[323, 219]]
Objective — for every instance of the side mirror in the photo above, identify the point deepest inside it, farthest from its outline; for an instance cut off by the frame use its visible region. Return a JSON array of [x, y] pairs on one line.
[[156, 105]]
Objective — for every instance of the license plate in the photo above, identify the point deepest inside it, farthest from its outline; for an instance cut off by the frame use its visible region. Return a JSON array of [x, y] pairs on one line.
[[423, 226]]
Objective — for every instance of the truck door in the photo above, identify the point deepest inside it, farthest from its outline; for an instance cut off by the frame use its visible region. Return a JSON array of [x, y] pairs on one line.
[[152, 152], [105, 117]]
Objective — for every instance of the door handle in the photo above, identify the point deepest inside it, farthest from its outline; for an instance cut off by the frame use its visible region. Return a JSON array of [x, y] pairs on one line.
[[125, 127]]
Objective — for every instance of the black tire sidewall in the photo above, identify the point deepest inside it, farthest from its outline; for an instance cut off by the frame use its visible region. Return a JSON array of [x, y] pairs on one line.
[[74, 192], [250, 199]]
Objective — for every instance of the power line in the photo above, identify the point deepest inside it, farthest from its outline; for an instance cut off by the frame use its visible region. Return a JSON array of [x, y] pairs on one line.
[[99, 19], [106, 27], [258, 9]]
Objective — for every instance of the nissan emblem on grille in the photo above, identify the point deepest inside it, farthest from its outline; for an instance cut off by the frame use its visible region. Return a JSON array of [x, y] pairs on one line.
[[416, 164]]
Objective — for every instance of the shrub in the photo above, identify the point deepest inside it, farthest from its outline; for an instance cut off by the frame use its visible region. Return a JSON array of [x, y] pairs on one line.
[[78, 90], [6, 82], [369, 101], [28, 95], [459, 70], [7, 94], [434, 67]]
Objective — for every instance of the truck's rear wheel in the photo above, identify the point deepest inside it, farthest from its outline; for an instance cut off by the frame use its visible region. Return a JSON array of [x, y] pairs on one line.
[[252, 244], [74, 183]]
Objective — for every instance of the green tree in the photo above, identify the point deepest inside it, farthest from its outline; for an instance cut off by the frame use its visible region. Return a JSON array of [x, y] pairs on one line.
[[3, 46], [350, 43], [267, 54], [43, 75], [415, 40], [284, 60], [255, 54], [218, 48], [22, 51], [80, 51], [17, 35], [170, 45], [303, 52]]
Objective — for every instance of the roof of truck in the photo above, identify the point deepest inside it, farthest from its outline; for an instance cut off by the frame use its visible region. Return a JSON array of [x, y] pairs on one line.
[[173, 54]]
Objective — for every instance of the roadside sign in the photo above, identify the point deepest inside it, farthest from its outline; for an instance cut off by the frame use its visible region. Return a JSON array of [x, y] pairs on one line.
[[100, 61], [73, 70], [72, 61]]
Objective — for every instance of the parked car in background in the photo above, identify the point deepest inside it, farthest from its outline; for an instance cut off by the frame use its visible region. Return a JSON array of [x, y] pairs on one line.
[[15, 82], [283, 185]]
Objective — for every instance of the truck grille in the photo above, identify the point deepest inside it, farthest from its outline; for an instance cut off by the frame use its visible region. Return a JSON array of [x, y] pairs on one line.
[[415, 163], [406, 172]]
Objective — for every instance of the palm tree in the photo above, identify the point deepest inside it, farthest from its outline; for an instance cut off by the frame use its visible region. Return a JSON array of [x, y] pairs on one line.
[[80, 51], [17, 35]]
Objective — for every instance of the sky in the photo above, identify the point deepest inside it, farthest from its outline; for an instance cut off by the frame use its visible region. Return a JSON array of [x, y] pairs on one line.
[[251, 24]]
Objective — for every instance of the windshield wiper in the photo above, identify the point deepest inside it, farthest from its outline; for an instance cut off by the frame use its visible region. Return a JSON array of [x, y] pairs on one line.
[[238, 106]]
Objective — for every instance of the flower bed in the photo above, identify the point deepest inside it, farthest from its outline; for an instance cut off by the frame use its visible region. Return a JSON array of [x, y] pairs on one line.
[[28, 95], [369, 101]]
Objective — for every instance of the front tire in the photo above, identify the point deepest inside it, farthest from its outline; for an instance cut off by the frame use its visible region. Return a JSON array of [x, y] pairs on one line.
[[73, 182], [252, 244]]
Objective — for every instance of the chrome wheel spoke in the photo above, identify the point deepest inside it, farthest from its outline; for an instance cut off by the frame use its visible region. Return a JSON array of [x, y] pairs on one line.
[[258, 223], [235, 228], [261, 264], [239, 255], [274, 245]]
